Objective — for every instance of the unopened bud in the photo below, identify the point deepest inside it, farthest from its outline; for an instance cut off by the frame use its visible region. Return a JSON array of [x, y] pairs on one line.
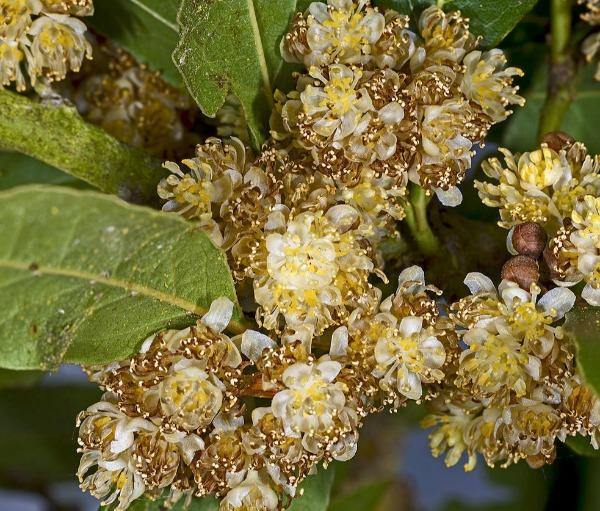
[[558, 140], [523, 270], [527, 239]]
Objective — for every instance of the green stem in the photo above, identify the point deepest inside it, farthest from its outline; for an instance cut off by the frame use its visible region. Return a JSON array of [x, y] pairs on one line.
[[57, 135], [561, 90], [416, 220]]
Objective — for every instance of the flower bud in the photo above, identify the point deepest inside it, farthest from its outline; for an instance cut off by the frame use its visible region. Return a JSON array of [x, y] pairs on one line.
[[523, 270], [558, 140], [528, 239]]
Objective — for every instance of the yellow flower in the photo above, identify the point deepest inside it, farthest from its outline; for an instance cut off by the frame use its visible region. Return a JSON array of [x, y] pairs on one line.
[[542, 186], [11, 61], [15, 18], [487, 83], [311, 270], [58, 45], [342, 31]]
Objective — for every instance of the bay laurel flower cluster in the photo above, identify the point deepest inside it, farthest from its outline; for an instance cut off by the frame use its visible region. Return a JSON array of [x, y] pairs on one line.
[[174, 422], [515, 390], [560, 191], [42, 39], [248, 418], [591, 44], [375, 95], [303, 247], [133, 103]]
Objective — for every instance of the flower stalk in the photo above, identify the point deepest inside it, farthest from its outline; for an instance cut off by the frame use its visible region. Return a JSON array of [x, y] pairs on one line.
[[561, 88], [416, 220]]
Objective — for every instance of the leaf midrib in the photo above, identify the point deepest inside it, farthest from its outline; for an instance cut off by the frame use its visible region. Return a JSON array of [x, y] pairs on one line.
[[149, 292], [235, 327], [155, 15], [262, 60]]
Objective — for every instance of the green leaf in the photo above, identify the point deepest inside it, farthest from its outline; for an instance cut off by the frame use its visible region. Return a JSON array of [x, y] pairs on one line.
[[18, 169], [581, 445], [316, 492], [491, 19], [58, 136], [521, 131], [583, 325], [409, 7], [37, 432], [145, 28], [365, 498], [233, 46], [85, 278]]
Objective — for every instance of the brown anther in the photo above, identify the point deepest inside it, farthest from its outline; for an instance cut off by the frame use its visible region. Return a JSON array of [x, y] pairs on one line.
[[558, 140], [529, 239], [522, 270]]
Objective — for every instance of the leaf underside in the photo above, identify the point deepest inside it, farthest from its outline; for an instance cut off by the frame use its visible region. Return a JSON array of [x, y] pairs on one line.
[[232, 46], [583, 325], [145, 28], [85, 278]]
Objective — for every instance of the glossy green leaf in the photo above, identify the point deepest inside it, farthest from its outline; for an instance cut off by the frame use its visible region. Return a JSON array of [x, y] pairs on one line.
[[492, 20], [37, 432], [409, 7], [57, 135], [146, 28], [582, 446], [583, 325], [521, 130], [315, 492], [18, 169], [85, 277], [232, 46]]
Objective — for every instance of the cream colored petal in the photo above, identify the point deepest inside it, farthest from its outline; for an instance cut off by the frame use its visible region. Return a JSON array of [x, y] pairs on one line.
[[219, 314], [479, 283], [560, 299], [254, 343]]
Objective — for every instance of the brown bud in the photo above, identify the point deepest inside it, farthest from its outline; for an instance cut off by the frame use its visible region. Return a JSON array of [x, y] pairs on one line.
[[523, 270], [529, 239], [558, 140], [539, 460]]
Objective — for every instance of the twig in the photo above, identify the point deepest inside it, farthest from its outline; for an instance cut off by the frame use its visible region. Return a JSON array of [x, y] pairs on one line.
[[561, 87], [57, 135], [416, 220]]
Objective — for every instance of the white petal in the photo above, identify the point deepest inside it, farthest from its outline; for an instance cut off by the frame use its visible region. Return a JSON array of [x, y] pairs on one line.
[[343, 216], [190, 445], [391, 113], [219, 314], [254, 343], [509, 243], [410, 325], [339, 342], [591, 295], [329, 369], [451, 197], [479, 283], [259, 413], [411, 274], [560, 299]]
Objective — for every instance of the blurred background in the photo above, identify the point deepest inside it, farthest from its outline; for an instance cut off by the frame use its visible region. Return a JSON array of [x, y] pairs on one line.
[[393, 470]]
